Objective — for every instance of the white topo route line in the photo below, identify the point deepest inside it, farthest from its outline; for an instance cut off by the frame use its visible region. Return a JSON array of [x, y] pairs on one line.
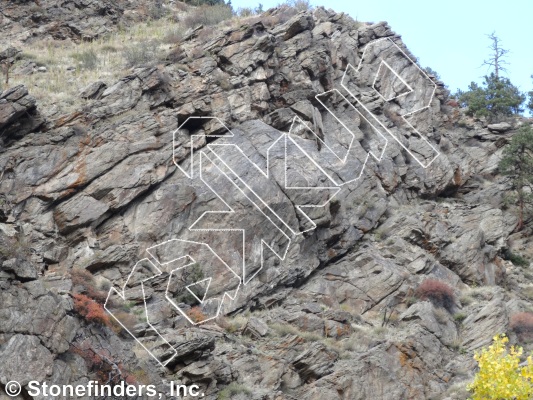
[[211, 167]]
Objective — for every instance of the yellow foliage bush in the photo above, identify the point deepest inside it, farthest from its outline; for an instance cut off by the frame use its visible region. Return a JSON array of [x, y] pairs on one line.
[[500, 376]]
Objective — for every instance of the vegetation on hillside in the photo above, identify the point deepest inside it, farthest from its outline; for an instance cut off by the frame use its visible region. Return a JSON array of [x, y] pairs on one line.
[[517, 163], [69, 67], [496, 98], [501, 376]]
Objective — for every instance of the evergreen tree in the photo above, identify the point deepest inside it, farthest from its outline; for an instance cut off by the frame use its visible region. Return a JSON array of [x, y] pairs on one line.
[[517, 163], [497, 96]]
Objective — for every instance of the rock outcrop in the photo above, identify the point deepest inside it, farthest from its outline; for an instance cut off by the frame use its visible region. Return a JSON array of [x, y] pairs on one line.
[[337, 318]]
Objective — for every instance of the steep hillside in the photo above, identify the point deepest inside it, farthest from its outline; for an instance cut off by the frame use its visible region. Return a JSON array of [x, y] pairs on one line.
[[129, 170]]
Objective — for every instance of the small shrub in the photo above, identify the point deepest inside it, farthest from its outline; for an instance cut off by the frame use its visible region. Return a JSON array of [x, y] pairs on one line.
[[233, 389], [522, 325], [516, 259], [244, 12], [142, 53], [283, 329], [310, 336], [97, 295], [379, 331], [299, 5], [457, 390], [459, 317], [456, 344], [193, 273], [466, 299], [500, 376], [90, 310], [439, 293], [222, 79], [282, 17], [175, 35], [141, 376], [452, 103], [27, 56], [207, 15], [527, 291], [107, 48], [156, 10], [350, 344], [87, 59], [176, 55], [83, 282], [232, 324], [100, 361], [346, 307], [483, 293], [81, 277], [180, 6], [196, 314], [127, 319], [441, 316], [409, 301]]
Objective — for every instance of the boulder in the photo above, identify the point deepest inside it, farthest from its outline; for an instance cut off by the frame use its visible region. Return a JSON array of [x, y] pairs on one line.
[[78, 211], [25, 359], [18, 113], [315, 362], [255, 327], [93, 90], [21, 268], [501, 127]]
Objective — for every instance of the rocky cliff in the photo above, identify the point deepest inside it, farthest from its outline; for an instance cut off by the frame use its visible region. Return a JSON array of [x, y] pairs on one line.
[[111, 189]]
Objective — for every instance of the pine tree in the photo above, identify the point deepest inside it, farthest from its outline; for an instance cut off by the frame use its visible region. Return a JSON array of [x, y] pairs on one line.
[[497, 97], [517, 163]]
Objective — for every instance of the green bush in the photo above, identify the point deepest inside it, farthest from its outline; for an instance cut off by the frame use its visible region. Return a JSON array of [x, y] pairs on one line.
[[496, 98], [518, 260], [517, 163], [459, 317]]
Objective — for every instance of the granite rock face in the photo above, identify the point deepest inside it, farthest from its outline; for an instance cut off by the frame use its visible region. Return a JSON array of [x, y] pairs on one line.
[[337, 318]]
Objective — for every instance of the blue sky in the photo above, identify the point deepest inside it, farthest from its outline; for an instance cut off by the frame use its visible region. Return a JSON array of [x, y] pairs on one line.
[[449, 36]]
